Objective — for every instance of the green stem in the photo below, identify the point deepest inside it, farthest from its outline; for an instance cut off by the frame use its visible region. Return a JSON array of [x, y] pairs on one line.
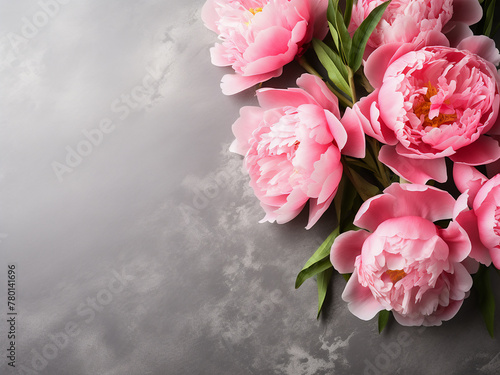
[[382, 169], [338, 94], [351, 84]]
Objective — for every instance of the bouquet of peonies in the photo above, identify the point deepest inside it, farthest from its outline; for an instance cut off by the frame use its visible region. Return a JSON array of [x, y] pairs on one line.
[[395, 123]]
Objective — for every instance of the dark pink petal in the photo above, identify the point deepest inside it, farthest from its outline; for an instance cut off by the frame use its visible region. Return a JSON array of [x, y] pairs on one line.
[[456, 32], [418, 171], [466, 11], [346, 248], [360, 299], [495, 257]]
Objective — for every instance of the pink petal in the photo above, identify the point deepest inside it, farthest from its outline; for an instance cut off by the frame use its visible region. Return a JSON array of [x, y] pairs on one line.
[[483, 151], [479, 252], [320, 92], [421, 200], [380, 59], [360, 299], [326, 175], [316, 210], [234, 83], [468, 178], [269, 51], [219, 56], [365, 113], [278, 98], [249, 120], [418, 171], [482, 46], [338, 131], [375, 211], [355, 145], [458, 242], [209, 15], [346, 248]]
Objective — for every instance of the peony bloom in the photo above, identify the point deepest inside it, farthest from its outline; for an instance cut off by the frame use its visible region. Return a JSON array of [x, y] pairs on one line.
[[259, 37], [411, 21], [482, 222], [292, 145], [432, 103], [404, 262]]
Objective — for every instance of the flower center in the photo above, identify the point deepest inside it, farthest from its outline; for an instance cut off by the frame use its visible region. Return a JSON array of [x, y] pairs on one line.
[[422, 107], [254, 11], [395, 275]]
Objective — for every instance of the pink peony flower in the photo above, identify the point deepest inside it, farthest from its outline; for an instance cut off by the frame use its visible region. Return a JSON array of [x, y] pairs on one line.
[[482, 222], [432, 103], [259, 37], [404, 262], [410, 21], [292, 145]]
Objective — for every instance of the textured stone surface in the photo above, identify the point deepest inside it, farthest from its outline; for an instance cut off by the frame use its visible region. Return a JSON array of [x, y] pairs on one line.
[[147, 248]]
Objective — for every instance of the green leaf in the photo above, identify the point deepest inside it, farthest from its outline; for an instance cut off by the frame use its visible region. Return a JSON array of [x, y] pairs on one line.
[[346, 276], [383, 318], [362, 34], [363, 187], [323, 281], [333, 65], [331, 11], [319, 262], [335, 36], [348, 12], [488, 20], [486, 299], [345, 38], [347, 202]]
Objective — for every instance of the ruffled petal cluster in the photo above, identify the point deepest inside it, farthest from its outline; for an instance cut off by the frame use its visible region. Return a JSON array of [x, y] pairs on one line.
[[292, 145], [482, 221], [431, 103], [259, 37], [403, 261], [411, 21]]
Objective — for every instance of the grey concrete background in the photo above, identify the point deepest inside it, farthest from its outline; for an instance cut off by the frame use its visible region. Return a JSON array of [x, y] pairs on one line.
[[133, 229]]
